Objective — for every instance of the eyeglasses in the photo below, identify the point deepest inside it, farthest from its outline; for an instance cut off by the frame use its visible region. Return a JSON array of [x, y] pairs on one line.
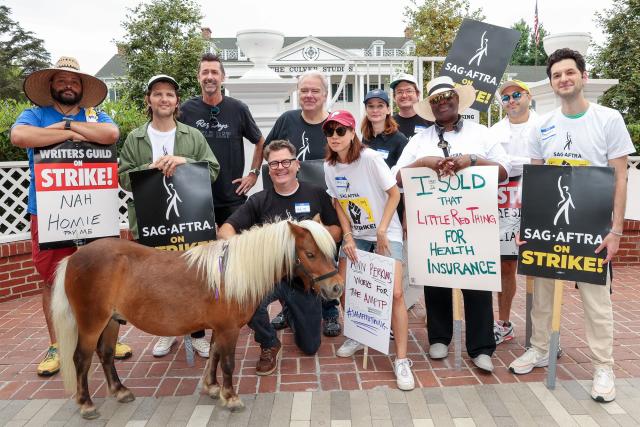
[[215, 110], [340, 130], [444, 95], [285, 163], [405, 92], [515, 95]]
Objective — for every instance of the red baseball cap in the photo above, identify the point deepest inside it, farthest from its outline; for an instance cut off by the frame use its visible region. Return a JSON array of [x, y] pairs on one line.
[[341, 116]]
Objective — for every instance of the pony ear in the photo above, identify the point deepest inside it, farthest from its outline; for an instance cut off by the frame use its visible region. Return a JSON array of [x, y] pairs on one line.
[[296, 229], [317, 219]]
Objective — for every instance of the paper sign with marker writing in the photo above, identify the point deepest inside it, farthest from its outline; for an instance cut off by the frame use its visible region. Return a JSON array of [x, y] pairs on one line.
[[368, 300], [77, 193], [453, 228]]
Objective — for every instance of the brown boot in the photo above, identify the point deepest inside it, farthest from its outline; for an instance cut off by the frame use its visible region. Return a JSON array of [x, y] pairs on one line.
[[268, 360]]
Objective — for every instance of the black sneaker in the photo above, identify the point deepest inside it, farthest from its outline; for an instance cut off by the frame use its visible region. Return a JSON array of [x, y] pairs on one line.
[[279, 322], [331, 327]]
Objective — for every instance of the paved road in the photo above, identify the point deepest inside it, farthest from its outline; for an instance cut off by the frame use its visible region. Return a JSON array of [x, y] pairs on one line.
[[517, 404]]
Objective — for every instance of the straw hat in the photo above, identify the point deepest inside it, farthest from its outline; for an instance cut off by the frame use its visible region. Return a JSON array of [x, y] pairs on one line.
[[37, 84], [466, 96]]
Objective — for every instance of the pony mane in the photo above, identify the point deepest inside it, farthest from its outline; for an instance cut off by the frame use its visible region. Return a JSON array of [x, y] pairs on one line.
[[256, 258]]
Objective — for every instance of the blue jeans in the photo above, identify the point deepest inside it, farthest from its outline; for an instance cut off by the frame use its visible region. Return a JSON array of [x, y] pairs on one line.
[[304, 314]]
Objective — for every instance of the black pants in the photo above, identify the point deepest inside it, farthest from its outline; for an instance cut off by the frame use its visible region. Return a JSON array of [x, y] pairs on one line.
[[478, 315], [304, 313], [223, 212]]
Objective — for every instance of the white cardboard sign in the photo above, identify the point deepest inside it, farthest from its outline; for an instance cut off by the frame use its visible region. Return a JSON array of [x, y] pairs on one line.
[[453, 232], [368, 300]]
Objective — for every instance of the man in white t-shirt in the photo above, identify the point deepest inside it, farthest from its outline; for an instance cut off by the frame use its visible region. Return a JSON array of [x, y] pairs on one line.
[[512, 132], [580, 133]]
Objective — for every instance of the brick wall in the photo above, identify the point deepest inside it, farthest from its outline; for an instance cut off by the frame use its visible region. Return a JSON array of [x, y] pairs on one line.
[[18, 277]]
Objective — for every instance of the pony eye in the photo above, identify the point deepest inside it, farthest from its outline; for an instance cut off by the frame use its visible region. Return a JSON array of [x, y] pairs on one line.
[[310, 255]]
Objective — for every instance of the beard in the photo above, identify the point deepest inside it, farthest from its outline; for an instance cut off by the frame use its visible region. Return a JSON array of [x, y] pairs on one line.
[[65, 99]]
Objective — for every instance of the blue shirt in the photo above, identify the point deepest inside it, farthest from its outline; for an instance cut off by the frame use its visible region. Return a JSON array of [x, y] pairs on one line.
[[45, 116]]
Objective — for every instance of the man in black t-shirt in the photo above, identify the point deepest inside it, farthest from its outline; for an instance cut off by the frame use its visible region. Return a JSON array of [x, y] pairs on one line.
[[224, 122], [299, 200], [405, 94], [303, 127]]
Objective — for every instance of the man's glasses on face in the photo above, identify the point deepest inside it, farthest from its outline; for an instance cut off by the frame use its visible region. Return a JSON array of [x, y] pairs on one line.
[[439, 97], [515, 95], [340, 130], [285, 163], [407, 92]]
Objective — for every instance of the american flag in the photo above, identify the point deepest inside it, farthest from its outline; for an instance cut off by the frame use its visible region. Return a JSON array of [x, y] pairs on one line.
[[535, 25]]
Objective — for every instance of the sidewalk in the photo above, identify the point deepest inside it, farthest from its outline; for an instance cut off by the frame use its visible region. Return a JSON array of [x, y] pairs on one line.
[[23, 341]]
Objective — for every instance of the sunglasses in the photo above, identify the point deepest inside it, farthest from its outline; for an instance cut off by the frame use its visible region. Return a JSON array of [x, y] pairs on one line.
[[444, 95], [515, 95], [340, 130], [285, 163], [212, 115]]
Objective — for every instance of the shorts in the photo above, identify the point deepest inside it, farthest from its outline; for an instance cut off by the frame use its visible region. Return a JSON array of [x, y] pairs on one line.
[[365, 245], [46, 260]]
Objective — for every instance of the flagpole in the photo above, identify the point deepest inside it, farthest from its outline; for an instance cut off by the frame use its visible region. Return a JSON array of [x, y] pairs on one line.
[[536, 36]]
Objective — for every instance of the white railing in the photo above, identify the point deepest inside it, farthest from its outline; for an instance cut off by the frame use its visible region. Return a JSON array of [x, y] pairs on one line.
[[14, 192], [14, 189]]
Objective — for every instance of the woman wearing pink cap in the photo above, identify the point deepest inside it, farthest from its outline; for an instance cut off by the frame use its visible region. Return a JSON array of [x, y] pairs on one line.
[[365, 197]]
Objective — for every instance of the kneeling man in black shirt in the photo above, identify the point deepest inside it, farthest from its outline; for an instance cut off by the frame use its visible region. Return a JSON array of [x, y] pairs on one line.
[[299, 200]]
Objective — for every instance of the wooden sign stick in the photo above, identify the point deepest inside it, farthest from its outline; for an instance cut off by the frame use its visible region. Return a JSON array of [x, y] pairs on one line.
[[457, 328], [529, 305], [554, 340], [365, 357]]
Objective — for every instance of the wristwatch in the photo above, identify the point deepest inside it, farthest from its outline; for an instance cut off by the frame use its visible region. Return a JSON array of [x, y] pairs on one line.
[[67, 124], [474, 159], [255, 171]]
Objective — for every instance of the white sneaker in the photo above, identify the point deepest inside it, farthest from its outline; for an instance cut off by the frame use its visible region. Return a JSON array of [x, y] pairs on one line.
[[529, 360], [438, 350], [603, 388], [201, 346], [163, 346], [349, 348], [483, 361], [502, 331], [404, 376]]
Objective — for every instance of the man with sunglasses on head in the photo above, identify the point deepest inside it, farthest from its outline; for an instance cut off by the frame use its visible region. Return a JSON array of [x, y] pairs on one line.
[[224, 122], [299, 200], [405, 95], [448, 146], [512, 132], [303, 128]]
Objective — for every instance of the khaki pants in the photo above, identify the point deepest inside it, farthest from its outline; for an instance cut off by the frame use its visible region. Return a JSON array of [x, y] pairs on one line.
[[598, 318]]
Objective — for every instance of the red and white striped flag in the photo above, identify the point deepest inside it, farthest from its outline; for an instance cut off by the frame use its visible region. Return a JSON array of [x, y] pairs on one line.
[[535, 25]]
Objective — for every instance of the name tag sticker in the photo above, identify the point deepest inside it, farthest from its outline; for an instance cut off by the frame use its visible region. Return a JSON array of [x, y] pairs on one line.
[[303, 208], [384, 153]]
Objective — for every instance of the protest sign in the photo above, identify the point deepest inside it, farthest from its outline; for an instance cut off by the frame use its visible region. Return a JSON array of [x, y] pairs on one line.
[[478, 57], [453, 228], [174, 213], [368, 300], [509, 211], [77, 193], [566, 213]]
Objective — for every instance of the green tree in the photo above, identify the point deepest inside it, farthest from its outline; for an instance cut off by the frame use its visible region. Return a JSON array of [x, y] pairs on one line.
[[618, 57], [162, 37], [434, 24], [21, 53], [526, 49]]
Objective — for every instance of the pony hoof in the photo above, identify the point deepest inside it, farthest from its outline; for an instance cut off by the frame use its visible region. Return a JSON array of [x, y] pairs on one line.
[[89, 414], [214, 391], [234, 404], [125, 396]]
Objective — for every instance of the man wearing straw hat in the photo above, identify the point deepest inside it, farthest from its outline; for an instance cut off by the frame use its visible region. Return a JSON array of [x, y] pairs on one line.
[[65, 98], [448, 146]]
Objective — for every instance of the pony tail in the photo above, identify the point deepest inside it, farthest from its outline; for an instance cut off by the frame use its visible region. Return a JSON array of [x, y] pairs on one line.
[[64, 322]]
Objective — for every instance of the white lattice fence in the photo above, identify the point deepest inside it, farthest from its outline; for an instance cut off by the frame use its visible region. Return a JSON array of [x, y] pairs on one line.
[[14, 191]]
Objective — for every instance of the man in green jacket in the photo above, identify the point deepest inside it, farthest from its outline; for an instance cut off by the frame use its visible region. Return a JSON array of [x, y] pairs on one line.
[[164, 144]]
